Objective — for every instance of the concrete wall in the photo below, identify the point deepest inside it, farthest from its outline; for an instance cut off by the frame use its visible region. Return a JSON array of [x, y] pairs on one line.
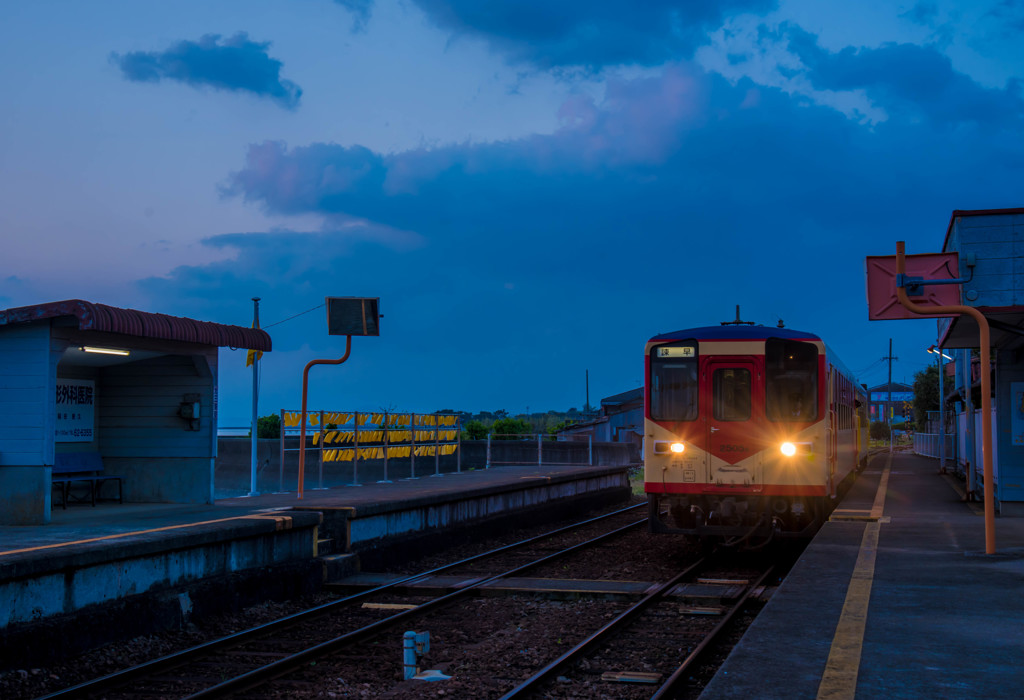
[[83, 594], [27, 413], [142, 437]]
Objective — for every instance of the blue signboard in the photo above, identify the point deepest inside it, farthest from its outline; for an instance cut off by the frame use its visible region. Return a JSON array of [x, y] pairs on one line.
[[1017, 412], [883, 396]]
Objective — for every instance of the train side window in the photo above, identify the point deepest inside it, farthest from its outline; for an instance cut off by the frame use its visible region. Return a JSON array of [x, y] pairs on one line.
[[673, 383], [791, 380], [731, 389]]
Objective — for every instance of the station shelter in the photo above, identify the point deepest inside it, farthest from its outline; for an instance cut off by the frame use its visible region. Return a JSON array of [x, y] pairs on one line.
[[129, 393], [990, 248]]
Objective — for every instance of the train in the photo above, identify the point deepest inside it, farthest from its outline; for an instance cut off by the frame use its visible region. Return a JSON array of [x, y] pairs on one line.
[[749, 432]]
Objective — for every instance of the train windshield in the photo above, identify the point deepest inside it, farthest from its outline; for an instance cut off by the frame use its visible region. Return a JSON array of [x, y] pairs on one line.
[[791, 373], [731, 388], [674, 382]]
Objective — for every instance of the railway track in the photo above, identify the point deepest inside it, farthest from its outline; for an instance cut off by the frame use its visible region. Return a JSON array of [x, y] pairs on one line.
[[259, 655], [652, 626]]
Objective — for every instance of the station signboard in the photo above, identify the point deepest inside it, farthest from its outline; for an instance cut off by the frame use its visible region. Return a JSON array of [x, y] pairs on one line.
[[76, 403]]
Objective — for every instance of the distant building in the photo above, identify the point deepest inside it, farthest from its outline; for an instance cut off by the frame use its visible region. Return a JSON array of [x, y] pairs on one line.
[[899, 405], [621, 420]]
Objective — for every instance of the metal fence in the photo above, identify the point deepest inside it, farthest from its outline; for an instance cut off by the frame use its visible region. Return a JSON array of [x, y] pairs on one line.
[[381, 444], [521, 448], [927, 445]]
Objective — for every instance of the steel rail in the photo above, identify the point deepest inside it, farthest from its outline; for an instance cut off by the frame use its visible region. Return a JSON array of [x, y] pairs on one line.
[[531, 684], [668, 686], [180, 658], [278, 668]]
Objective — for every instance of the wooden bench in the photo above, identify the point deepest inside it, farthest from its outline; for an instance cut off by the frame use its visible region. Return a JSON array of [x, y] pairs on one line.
[[81, 468]]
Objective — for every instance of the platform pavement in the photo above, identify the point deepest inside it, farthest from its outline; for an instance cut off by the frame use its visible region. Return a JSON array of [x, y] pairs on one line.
[[130, 521], [924, 613]]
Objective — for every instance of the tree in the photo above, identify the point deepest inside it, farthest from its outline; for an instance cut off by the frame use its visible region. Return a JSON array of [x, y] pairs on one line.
[[268, 427], [926, 394], [510, 428], [474, 430], [879, 431]]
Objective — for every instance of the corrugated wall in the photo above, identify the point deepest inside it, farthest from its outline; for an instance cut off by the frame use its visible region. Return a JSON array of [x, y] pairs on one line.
[[26, 394], [142, 437], [27, 388]]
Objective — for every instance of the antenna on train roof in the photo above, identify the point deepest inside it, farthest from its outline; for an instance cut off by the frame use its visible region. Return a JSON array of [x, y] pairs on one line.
[[737, 322]]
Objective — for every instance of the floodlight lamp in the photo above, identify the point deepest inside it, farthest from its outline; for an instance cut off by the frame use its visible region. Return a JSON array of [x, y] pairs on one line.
[[104, 351]]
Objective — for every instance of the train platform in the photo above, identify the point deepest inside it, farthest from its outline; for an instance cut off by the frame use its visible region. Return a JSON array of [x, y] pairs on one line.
[[894, 598], [150, 564]]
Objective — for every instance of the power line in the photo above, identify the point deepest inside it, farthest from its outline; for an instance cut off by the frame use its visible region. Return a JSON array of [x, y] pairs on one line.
[[301, 313]]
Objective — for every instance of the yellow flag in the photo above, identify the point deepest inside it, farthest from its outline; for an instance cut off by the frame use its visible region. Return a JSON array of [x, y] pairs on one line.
[[253, 355]]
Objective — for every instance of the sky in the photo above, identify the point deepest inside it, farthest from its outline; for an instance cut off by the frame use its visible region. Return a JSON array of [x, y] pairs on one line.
[[533, 189]]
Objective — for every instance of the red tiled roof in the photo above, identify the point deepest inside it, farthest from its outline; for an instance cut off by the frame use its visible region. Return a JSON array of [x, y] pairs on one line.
[[110, 319]]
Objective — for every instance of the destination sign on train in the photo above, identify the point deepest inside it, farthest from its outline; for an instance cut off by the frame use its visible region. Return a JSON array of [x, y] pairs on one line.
[[676, 352]]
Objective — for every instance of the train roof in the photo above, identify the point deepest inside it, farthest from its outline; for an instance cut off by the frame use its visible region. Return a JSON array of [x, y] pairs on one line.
[[734, 332]]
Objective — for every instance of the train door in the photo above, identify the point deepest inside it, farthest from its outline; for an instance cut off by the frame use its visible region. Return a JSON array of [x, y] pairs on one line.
[[733, 391]]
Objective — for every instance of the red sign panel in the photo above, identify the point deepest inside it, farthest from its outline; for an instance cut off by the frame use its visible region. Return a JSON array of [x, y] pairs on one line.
[[882, 302]]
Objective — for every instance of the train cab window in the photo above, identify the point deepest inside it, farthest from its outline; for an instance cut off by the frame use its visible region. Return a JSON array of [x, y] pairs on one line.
[[731, 389], [674, 382], [791, 380]]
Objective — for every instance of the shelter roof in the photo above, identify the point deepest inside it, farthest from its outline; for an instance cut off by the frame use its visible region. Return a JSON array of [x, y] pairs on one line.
[[625, 397], [895, 386], [143, 324]]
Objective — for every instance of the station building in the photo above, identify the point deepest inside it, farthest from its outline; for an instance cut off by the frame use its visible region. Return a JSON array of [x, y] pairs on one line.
[[621, 419], [990, 247], [893, 401], [123, 402]]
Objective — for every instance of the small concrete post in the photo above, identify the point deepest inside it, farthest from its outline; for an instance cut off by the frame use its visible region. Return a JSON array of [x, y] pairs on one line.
[[280, 451], [355, 451], [437, 446], [387, 442]]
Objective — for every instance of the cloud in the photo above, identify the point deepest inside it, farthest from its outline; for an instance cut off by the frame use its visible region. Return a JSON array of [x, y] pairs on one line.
[[591, 33], [638, 124], [686, 159], [925, 13], [911, 82], [660, 206], [236, 64], [360, 9]]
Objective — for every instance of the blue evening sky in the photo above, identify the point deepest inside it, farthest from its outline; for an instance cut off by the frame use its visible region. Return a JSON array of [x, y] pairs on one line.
[[533, 189]]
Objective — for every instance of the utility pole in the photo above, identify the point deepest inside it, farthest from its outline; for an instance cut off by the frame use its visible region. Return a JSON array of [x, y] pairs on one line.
[[253, 460], [586, 407], [888, 403]]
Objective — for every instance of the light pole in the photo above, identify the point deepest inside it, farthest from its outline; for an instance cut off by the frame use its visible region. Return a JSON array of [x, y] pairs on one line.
[[937, 351]]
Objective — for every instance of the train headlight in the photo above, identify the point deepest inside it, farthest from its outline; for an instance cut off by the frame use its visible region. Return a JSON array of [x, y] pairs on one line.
[[677, 448], [788, 449]]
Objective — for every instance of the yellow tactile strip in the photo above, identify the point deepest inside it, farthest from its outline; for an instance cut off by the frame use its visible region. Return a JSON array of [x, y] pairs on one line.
[[839, 682]]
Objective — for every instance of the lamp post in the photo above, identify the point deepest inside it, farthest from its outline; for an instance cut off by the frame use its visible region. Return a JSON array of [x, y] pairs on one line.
[[942, 401]]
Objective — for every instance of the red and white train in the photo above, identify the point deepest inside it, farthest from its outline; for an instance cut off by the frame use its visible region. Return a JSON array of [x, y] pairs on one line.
[[748, 432]]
